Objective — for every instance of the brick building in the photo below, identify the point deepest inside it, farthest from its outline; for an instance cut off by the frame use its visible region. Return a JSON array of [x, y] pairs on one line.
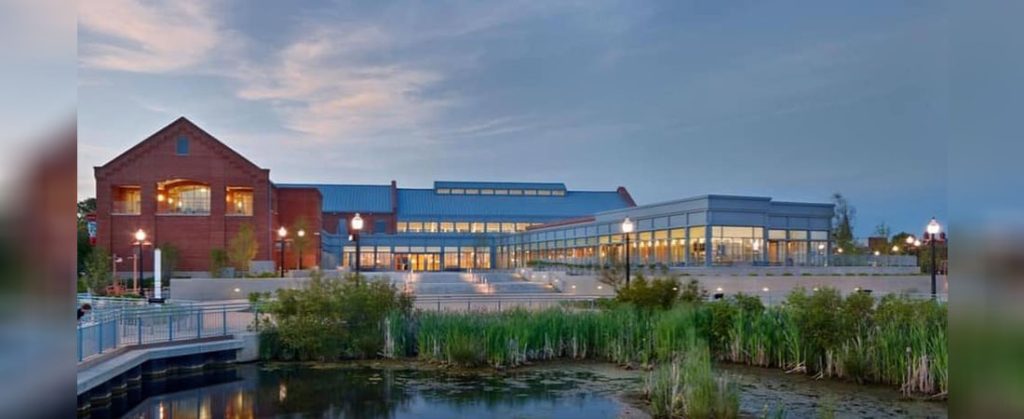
[[185, 188]]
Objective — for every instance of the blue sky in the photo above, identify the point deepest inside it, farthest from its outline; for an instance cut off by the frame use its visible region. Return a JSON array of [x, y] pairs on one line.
[[793, 100]]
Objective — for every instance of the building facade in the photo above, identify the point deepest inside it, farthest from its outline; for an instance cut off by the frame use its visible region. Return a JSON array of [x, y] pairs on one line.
[[186, 188]]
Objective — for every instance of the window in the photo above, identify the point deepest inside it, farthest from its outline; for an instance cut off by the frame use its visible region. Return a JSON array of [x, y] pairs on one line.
[[415, 227], [515, 191], [544, 193], [777, 234], [522, 226], [444, 191], [127, 200], [447, 227], [530, 192], [501, 191], [401, 226], [472, 192], [239, 201], [183, 197], [477, 228], [508, 227], [819, 235], [429, 227], [493, 227], [558, 193], [458, 191], [462, 227], [487, 192], [380, 226], [181, 146]]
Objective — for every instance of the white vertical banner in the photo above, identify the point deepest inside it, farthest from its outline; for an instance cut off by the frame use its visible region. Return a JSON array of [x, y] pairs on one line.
[[156, 273]]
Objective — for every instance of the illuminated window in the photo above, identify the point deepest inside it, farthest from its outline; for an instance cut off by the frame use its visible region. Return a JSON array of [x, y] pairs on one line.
[[447, 227], [472, 192], [487, 192], [127, 200], [444, 191], [402, 227], [458, 191], [558, 193], [239, 201], [462, 227], [429, 227], [183, 197], [501, 191], [415, 227], [522, 226], [515, 191], [477, 228], [493, 227], [530, 192], [544, 193], [508, 227]]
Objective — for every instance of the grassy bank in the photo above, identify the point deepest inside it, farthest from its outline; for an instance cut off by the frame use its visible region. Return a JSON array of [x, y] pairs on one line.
[[893, 341]]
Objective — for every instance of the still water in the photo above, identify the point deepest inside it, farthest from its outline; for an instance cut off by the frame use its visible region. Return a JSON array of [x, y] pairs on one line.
[[417, 390]]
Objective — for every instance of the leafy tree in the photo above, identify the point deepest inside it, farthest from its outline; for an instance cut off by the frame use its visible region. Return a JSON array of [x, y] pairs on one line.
[[613, 277], [242, 248], [86, 206], [900, 239], [169, 255], [660, 292], [842, 224], [218, 261], [97, 271]]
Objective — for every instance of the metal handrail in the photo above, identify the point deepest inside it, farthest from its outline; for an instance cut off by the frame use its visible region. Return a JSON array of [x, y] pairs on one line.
[[106, 331]]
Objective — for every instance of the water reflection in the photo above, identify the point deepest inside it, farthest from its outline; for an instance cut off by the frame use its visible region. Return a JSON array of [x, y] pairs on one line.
[[367, 392]]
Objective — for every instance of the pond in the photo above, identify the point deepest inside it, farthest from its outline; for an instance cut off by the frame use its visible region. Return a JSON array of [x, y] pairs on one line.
[[416, 390]]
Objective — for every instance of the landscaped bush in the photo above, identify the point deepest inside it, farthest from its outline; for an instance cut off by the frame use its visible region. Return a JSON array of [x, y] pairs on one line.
[[331, 318]]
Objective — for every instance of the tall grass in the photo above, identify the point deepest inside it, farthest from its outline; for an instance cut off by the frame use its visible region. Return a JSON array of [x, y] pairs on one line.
[[894, 341]]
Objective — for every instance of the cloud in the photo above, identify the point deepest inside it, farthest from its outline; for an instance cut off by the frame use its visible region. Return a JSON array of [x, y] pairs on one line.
[[126, 35], [331, 86]]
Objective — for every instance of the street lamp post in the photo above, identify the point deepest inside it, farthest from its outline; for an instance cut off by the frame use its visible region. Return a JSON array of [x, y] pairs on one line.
[[933, 229], [357, 226], [140, 239], [281, 234], [301, 233], [627, 230]]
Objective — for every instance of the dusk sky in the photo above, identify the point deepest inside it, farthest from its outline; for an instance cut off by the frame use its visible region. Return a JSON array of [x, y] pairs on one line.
[[671, 99]]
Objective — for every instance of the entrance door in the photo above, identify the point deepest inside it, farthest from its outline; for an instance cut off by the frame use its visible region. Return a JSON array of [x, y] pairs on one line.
[[425, 261]]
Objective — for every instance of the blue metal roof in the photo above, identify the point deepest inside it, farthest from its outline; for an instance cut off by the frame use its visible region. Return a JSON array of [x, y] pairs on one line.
[[500, 185], [351, 198], [425, 204]]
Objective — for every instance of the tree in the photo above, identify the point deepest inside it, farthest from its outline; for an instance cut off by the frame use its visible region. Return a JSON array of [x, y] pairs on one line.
[[301, 243], [242, 248], [169, 255], [85, 207], [882, 230], [96, 274], [842, 223], [900, 239]]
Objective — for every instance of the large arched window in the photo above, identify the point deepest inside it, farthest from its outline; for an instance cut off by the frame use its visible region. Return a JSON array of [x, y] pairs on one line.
[[182, 196]]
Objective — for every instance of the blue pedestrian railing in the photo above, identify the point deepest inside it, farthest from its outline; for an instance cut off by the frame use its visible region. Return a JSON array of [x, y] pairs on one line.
[[112, 329]]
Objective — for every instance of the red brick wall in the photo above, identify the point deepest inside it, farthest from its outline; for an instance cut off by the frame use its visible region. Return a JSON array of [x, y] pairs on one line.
[[208, 161], [293, 204]]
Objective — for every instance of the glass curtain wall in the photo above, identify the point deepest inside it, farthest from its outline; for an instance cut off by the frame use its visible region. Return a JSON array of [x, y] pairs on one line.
[[736, 245]]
